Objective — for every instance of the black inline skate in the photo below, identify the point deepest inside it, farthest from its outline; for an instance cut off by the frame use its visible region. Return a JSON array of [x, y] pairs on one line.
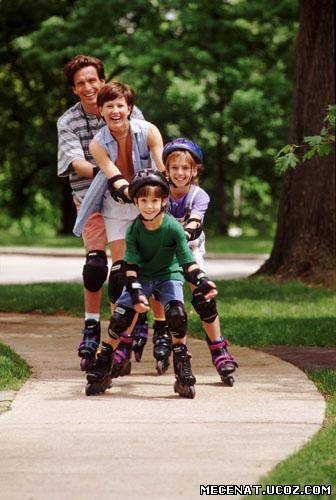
[[88, 347], [140, 336], [185, 380], [162, 346], [121, 364], [224, 362], [99, 376]]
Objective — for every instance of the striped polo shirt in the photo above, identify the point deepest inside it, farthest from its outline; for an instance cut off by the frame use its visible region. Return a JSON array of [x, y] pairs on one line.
[[76, 129]]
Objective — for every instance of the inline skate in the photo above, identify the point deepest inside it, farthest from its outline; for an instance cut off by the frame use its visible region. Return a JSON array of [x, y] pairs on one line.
[[99, 376], [121, 364], [223, 361], [88, 347], [140, 336], [162, 346], [185, 380]]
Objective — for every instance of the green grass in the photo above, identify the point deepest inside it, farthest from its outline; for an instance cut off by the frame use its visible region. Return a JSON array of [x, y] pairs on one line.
[[315, 463], [253, 312], [243, 244], [40, 241], [13, 369]]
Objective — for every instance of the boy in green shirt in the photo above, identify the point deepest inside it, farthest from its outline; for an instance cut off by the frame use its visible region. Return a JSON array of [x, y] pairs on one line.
[[158, 258]]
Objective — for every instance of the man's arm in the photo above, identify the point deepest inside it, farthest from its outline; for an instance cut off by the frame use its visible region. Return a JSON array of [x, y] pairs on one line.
[[71, 155], [84, 168], [155, 144]]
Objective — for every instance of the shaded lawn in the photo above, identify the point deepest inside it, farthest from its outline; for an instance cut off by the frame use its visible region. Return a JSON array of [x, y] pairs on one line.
[[253, 312]]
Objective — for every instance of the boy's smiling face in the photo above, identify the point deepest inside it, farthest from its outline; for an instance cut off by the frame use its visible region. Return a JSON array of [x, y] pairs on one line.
[[115, 114], [150, 205]]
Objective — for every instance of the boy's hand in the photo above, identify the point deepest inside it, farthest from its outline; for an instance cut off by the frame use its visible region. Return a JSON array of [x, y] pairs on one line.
[[206, 289], [212, 293], [143, 305], [139, 299]]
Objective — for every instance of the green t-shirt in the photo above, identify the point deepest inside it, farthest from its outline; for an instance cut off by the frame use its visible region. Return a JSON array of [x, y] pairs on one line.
[[159, 253]]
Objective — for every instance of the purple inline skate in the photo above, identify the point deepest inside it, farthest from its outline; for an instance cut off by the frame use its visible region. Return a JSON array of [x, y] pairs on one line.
[[121, 364], [223, 361], [88, 347]]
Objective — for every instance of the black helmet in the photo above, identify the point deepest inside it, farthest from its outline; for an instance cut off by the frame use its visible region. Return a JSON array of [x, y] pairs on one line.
[[147, 177], [183, 144]]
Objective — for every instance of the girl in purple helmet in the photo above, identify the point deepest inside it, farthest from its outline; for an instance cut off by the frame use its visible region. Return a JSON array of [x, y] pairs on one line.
[[188, 204]]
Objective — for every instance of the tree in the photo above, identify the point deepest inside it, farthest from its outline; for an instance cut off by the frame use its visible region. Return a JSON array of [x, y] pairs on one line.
[[304, 245], [217, 72]]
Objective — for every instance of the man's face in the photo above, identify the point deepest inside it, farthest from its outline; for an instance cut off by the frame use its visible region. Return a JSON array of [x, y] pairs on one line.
[[115, 114], [87, 85]]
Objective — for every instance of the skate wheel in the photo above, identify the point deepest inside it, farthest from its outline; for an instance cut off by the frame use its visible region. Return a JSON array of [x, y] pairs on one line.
[[86, 364], [185, 391], [137, 356], [83, 364], [126, 370], [228, 381], [88, 390], [162, 366], [159, 369], [191, 392]]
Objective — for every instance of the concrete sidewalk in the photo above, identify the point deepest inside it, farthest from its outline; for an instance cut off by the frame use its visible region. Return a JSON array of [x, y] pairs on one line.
[[139, 440], [36, 265]]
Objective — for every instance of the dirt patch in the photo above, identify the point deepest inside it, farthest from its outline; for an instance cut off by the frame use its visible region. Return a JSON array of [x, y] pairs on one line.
[[305, 357]]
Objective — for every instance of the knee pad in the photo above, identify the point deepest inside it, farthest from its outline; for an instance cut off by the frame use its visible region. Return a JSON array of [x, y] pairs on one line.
[[121, 319], [116, 280], [206, 309], [95, 270], [176, 318]]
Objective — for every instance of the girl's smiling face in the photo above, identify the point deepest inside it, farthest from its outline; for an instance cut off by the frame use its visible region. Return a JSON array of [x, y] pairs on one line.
[[180, 169]]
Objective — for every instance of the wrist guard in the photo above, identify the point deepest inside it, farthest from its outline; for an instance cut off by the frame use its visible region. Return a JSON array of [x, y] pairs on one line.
[[193, 233], [118, 194], [134, 288], [132, 267], [194, 277]]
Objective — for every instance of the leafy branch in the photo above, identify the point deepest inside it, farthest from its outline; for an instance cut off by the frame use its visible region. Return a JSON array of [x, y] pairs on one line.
[[292, 155]]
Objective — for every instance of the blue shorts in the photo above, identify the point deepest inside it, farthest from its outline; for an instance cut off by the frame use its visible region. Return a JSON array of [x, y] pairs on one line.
[[164, 291]]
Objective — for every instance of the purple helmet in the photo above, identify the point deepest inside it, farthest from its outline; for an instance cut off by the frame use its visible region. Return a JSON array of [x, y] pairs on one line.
[[182, 144]]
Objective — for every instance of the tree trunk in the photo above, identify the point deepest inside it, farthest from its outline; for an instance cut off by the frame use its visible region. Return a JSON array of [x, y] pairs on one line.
[[304, 246], [68, 208]]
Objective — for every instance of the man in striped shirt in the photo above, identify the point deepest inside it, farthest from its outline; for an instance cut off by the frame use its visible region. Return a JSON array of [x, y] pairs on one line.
[[76, 128]]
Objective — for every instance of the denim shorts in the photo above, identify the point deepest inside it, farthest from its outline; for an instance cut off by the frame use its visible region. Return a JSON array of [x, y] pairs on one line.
[[164, 291]]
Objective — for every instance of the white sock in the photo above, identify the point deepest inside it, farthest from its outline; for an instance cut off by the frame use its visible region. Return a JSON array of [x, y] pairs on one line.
[[95, 316]]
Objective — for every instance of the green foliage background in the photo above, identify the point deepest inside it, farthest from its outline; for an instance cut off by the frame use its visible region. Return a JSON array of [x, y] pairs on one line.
[[217, 72]]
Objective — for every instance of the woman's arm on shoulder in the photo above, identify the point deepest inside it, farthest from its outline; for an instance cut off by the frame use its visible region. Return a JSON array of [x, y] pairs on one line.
[[103, 160]]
